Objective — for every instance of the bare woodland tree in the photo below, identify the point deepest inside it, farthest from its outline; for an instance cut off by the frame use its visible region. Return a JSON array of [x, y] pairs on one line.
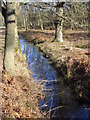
[[9, 12], [40, 19], [64, 15], [10, 38], [59, 22]]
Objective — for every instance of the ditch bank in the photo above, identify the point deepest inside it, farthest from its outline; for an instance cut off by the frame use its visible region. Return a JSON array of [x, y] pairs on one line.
[[70, 62], [20, 93]]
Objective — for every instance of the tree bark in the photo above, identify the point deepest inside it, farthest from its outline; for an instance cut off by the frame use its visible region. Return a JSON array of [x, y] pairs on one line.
[[16, 36], [3, 11], [40, 20], [16, 30], [10, 38], [59, 23]]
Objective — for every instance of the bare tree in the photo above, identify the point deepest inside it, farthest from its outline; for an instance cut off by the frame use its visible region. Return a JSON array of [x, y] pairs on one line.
[[10, 38], [59, 22], [40, 19]]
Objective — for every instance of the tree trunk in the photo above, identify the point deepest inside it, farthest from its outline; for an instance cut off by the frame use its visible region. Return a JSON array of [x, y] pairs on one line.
[[59, 23], [72, 24], [16, 36], [40, 20], [3, 11], [41, 25], [26, 24], [72, 17], [16, 31], [10, 38]]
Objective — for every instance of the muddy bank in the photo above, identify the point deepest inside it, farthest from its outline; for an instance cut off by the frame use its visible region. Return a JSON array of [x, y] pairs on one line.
[[72, 63], [20, 93]]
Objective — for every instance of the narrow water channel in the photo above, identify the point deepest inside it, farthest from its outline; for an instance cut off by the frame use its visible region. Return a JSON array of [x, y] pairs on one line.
[[58, 96]]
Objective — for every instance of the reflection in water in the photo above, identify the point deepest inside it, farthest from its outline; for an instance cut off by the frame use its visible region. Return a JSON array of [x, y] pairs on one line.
[[58, 97]]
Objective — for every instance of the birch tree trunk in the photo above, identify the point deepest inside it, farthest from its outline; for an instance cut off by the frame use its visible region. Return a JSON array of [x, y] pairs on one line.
[[10, 38], [59, 23]]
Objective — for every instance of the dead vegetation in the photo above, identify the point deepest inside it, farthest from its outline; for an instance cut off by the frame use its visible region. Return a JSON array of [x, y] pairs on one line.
[[71, 37], [20, 93]]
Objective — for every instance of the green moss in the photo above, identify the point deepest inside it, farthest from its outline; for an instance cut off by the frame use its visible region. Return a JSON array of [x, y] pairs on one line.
[[15, 49], [19, 47]]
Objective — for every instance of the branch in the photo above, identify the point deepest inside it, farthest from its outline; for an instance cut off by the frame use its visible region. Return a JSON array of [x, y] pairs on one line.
[[39, 6], [50, 7]]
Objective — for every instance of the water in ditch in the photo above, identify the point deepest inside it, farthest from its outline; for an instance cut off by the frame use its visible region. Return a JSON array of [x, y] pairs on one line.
[[59, 101]]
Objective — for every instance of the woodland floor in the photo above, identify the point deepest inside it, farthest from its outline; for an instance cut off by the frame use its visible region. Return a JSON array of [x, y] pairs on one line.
[[71, 59], [76, 43], [19, 94]]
